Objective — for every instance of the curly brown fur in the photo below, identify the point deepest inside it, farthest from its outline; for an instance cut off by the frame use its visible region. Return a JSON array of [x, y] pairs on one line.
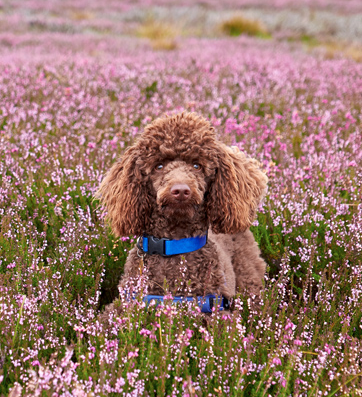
[[178, 181]]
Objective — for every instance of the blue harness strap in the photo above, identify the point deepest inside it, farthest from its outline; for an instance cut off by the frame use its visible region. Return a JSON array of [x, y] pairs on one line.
[[206, 303], [166, 247]]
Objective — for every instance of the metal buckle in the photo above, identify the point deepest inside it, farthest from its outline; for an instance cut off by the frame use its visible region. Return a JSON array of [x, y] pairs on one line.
[[139, 246]]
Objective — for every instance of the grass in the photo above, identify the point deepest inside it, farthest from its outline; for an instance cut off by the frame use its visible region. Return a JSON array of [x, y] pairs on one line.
[[162, 35], [332, 49], [239, 25]]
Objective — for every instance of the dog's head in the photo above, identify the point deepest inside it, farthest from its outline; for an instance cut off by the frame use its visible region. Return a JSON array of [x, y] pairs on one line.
[[178, 166]]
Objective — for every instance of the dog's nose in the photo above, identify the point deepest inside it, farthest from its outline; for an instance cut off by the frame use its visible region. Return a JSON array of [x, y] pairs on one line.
[[180, 192]]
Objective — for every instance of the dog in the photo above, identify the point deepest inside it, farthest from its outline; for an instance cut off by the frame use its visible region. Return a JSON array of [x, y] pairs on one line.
[[183, 191]]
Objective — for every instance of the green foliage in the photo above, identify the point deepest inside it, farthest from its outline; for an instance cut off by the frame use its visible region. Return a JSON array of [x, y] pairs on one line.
[[151, 89], [238, 25]]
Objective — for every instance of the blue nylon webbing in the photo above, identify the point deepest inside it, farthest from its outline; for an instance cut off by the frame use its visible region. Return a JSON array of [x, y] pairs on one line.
[[182, 246]]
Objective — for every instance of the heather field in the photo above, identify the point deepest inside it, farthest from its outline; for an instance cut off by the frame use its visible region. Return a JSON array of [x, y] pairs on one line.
[[77, 84]]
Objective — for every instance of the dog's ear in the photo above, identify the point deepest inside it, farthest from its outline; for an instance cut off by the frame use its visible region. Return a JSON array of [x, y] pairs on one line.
[[236, 192], [124, 194]]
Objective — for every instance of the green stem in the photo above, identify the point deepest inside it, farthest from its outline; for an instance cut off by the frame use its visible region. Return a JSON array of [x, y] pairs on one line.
[[18, 321], [345, 384]]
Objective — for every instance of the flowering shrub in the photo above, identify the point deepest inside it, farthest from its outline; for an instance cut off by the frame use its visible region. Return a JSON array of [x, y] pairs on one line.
[[64, 121]]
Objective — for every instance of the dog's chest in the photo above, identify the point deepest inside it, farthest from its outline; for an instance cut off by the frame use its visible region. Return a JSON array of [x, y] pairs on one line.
[[197, 272]]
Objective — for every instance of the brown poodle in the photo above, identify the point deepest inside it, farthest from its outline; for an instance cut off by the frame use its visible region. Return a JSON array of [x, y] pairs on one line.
[[178, 181]]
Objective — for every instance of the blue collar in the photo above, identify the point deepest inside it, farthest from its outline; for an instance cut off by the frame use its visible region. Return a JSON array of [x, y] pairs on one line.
[[166, 247]]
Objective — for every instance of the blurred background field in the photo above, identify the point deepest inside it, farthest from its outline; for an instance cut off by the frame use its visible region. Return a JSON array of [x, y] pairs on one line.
[[78, 81], [113, 28]]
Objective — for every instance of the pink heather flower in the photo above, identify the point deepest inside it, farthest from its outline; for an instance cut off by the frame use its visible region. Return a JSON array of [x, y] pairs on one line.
[[112, 345], [77, 392], [283, 147], [289, 324], [79, 328], [168, 296], [36, 362], [145, 331], [131, 376], [189, 333], [91, 145], [62, 230], [298, 342], [295, 117], [276, 361], [133, 354], [119, 384]]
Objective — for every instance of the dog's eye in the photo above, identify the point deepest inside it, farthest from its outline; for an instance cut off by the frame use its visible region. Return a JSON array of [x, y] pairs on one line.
[[159, 167], [197, 166]]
